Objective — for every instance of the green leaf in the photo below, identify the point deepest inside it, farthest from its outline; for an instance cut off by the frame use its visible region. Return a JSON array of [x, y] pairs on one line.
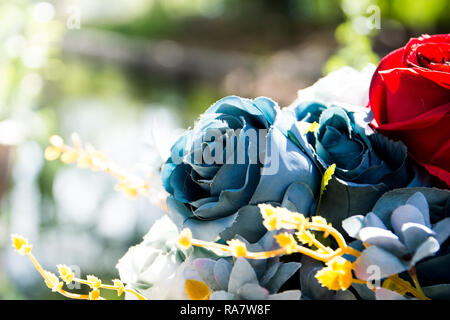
[[326, 178], [323, 185], [306, 127]]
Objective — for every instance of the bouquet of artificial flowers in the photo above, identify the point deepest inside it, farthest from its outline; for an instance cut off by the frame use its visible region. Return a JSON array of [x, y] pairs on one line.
[[341, 195]]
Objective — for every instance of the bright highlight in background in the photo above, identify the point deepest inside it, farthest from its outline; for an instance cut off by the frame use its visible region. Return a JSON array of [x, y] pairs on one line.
[[43, 12]]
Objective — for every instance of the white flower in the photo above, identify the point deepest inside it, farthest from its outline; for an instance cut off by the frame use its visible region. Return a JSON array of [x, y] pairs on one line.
[[154, 267], [345, 86]]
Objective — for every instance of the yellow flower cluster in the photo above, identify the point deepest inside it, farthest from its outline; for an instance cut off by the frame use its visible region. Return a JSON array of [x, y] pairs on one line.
[[286, 241], [21, 245], [89, 157], [65, 273], [281, 218], [337, 275]]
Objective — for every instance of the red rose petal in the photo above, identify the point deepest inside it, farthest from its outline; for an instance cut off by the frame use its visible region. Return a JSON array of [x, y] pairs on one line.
[[377, 90], [408, 95], [438, 172]]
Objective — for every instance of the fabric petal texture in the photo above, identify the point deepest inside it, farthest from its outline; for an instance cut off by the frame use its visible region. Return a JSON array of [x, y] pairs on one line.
[[405, 229]]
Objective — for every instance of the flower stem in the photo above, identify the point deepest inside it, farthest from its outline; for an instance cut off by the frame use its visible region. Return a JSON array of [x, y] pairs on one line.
[[413, 274]]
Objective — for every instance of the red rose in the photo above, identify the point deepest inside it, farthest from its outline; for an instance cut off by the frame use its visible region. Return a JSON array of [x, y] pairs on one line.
[[410, 99]]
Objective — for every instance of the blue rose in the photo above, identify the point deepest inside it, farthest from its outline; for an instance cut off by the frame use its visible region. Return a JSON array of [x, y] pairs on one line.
[[367, 164], [235, 157]]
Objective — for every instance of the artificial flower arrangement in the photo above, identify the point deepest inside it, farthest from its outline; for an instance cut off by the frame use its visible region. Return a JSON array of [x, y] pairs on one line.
[[341, 195]]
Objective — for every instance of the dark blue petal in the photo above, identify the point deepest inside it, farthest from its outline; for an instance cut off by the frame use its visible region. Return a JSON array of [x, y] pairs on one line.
[[231, 200], [247, 224], [184, 188], [270, 272], [259, 115], [284, 272], [309, 111]]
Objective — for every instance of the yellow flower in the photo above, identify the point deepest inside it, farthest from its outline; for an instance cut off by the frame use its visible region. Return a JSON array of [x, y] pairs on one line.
[[119, 285], [52, 153], [280, 218], [94, 294], [197, 290], [238, 248], [69, 156], [84, 160], [185, 238], [319, 220], [20, 244], [267, 210], [299, 220], [97, 157], [128, 189], [271, 223], [270, 216], [305, 237], [66, 273], [94, 282], [337, 275], [286, 241], [56, 141], [52, 281]]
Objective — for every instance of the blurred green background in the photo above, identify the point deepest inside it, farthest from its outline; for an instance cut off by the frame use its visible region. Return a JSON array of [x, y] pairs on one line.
[[125, 75]]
